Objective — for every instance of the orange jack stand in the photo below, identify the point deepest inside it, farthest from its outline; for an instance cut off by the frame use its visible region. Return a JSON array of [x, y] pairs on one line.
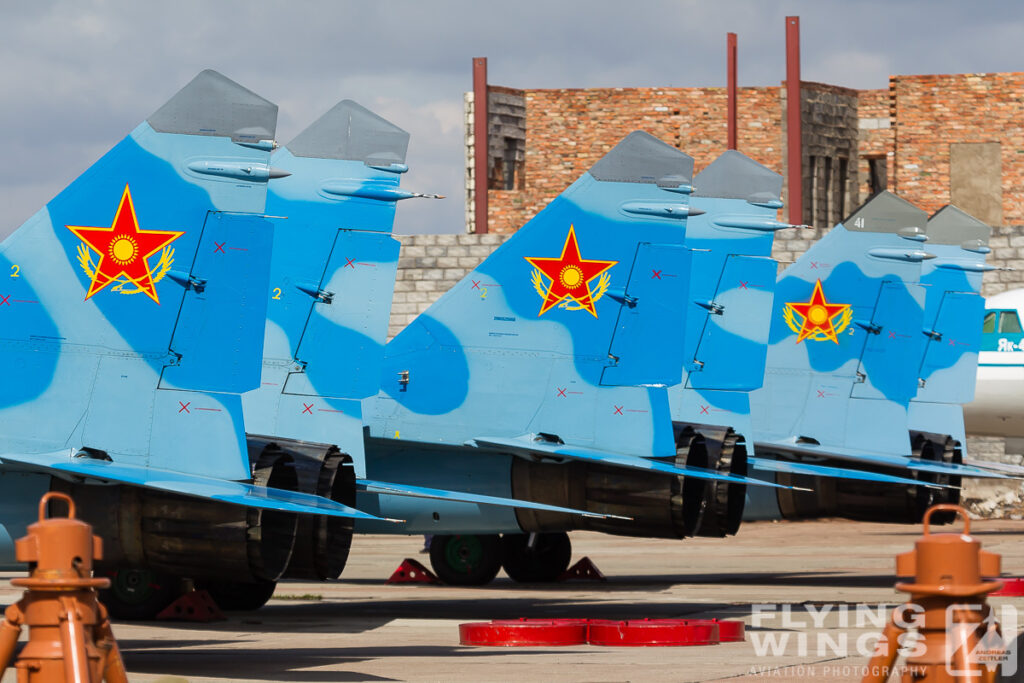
[[411, 571], [196, 605], [69, 638], [584, 570], [955, 636]]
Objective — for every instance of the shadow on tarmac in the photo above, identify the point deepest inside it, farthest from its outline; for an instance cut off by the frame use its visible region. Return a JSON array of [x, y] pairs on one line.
[[287, 664]]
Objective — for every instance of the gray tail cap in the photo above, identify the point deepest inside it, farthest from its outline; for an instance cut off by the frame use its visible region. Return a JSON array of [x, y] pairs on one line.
[[950, 225], [886, 212], [213, 104], [734, 175], [352, 132], [643, 158]]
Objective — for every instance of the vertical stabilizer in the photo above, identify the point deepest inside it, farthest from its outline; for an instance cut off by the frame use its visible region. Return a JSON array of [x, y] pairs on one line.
[[562, 323], [145, 272]]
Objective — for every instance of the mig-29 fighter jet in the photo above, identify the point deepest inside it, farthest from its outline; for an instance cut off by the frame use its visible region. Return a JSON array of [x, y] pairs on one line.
[[133, 310], [873, 349], [543, 375], [331, 282]]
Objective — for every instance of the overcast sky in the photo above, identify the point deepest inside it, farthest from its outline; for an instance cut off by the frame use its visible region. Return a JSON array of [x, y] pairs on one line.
[[76, 75]]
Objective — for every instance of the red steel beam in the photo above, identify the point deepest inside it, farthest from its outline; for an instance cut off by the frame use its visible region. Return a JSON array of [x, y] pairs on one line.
[[730, 42], [480, 141], [795, 147], [794, 140]]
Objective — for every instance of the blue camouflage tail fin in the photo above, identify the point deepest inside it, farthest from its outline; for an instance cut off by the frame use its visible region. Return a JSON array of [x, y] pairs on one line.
[[845, 334], [844, 365], [953, 308], [589, 294], [953, 305], [135, 303], [332, 277], [732, 284]]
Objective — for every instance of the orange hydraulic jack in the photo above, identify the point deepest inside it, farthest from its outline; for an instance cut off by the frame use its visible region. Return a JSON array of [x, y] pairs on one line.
[[957, 638], [69, 639]]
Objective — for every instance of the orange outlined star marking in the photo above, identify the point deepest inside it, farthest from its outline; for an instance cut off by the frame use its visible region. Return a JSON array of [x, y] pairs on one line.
[[819, 317], [570, 276], [124, 249]]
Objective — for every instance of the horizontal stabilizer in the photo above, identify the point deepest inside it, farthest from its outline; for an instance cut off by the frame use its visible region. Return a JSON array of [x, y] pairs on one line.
[[881, 459], [225, 491], [789, 467], [528, 447], [1010, 470], [392, 489]]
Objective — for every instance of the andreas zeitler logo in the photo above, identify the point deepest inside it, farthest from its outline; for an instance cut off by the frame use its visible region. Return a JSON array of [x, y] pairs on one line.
[[847, 636]]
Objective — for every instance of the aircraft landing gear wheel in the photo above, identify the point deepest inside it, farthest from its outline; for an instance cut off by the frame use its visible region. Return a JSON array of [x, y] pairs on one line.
[[235, 596], [544, 562], [465, 559], [138, 594]]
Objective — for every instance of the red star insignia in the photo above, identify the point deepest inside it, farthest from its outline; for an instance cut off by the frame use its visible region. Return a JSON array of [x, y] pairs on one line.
[[818, 315], [570, 275], [124, 249]]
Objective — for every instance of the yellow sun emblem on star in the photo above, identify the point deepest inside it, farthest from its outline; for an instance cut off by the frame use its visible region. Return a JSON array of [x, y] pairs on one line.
[[818, 319]]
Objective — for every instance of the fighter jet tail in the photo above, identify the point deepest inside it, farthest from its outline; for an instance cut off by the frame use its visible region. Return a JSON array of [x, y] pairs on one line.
[[566, 326]]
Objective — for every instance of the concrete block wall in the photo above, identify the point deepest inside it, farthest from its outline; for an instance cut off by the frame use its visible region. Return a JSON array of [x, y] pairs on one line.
[[430, 265], [875, 136], [829, 125]]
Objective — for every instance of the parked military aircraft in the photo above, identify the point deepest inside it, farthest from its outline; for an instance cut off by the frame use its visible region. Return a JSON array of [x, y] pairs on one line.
[[996, 409], [440, 446], [431, 447], [726, 341], [321, 347], [133, 313], [884, 393], [891, 266]]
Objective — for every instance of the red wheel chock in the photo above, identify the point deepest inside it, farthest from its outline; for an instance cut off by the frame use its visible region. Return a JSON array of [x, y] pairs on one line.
[[196, 605], [584, 570], [411, 571], [520, 632], [631, 633], [1013, 587], [654, 632], [730, 630]]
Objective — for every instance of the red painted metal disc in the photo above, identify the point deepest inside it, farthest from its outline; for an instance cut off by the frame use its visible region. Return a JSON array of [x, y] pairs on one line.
[[1012, 587], [730, 630], [524, 632], [654, 632]]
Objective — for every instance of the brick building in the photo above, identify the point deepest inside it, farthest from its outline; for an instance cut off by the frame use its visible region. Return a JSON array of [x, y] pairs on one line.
[[932, 139]]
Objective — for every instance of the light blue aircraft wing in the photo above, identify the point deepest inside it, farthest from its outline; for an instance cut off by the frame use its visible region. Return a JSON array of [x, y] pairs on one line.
[[463, 497], [530, 447], [791, 467], [1003, 468], [885, 460], [233, 492]]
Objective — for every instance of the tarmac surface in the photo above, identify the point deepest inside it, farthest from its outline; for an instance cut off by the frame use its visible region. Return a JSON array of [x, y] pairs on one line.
[[811, 593]]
